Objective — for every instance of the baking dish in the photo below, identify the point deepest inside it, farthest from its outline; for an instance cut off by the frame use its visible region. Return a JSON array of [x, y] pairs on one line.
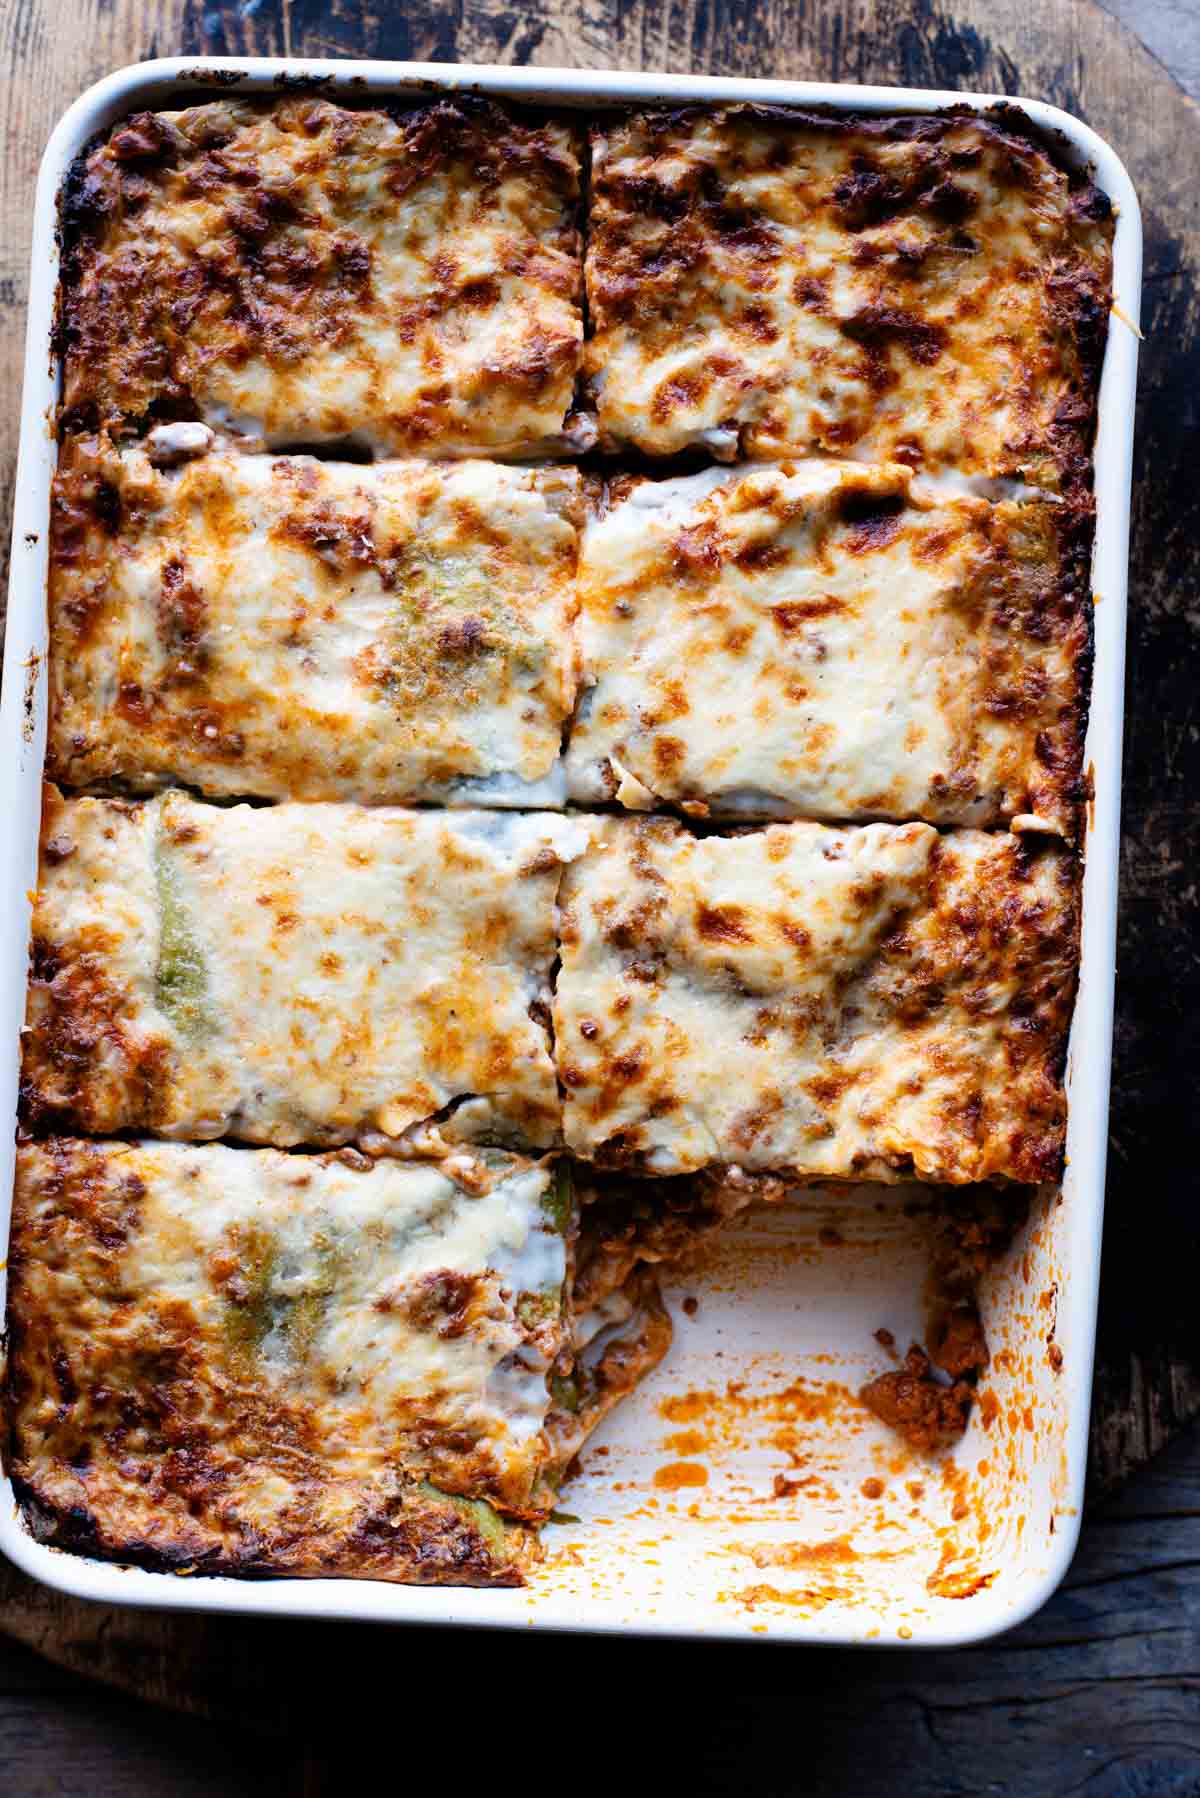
[[742, 1492]]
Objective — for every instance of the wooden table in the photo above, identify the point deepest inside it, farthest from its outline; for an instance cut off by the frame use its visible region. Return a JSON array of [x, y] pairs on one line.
[[1098, 1694]]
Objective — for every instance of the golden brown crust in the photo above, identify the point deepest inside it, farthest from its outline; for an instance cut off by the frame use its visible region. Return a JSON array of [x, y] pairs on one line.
[[746, 649], [317, 272], [928, 289], [146, 1426], [896, 1003], [287, 628], [414, 1538], [249, 1363]]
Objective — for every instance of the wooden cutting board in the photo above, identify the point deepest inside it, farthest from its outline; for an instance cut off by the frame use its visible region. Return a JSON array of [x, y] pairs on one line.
[[1067, 51]]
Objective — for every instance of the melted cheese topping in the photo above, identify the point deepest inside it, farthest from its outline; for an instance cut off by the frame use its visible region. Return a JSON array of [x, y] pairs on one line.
[[301, 272], [818, 639], [293, 974], [870, 1003], [929, 290], [266, 1355], [297, 629]]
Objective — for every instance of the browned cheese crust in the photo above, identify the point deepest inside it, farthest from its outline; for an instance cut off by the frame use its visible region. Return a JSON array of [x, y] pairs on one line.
[[306, 272], [929, 290], [879, 1003], [290, 628], [827, 639], [244, 1362], [149, 1421]]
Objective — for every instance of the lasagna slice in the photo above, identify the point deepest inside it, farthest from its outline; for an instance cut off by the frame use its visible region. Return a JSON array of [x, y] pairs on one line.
[[293, 974], [830, 640], [288, 628], [825, 640], [301, 272], [873, 1003], [245, 1362], [930, 290]]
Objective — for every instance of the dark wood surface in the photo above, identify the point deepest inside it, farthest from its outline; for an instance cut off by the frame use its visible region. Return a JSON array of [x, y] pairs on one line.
[[1101, 1693]]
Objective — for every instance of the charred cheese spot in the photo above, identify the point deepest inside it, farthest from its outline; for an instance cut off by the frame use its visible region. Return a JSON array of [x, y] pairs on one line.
[[722, 924]]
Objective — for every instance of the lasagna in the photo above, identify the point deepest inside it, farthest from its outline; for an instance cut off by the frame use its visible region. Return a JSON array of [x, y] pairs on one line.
[[294, 974], [932, 290], [819, 639], [240, 1361], [304, 273], [476, 871], [873, 1003], [293, 629]]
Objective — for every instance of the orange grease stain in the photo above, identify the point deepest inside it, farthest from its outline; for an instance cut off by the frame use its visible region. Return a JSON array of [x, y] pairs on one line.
[[677, 1474], [685, 1407], [837, 1551], [687, 1442]]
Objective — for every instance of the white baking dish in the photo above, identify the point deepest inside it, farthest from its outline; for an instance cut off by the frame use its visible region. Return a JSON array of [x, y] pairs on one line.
[[788, 1305]]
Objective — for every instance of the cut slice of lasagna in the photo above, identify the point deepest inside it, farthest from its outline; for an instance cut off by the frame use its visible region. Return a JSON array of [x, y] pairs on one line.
[[288, 628], [245, 1362], [930, 290], [303, 272], [820, 639], [294, 973], [873, 1003]]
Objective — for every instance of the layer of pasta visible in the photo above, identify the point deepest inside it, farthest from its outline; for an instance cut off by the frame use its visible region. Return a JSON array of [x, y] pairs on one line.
[[293, 629], [827, 640], [873, 1003], [302, 272], [929, 289], [293, 973], [242, 1361]]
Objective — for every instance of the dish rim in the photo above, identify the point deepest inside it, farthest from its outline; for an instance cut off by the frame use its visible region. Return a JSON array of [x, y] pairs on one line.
[[23, 712]]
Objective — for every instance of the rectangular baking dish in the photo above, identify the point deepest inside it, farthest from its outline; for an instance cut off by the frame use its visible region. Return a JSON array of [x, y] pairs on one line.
[[743, 1492]]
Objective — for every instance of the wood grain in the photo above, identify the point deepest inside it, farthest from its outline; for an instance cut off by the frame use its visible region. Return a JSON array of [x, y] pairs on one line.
[[1068, 51]]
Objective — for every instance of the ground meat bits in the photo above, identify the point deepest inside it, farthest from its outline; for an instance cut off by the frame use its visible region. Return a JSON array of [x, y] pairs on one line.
[[928, 1415]]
